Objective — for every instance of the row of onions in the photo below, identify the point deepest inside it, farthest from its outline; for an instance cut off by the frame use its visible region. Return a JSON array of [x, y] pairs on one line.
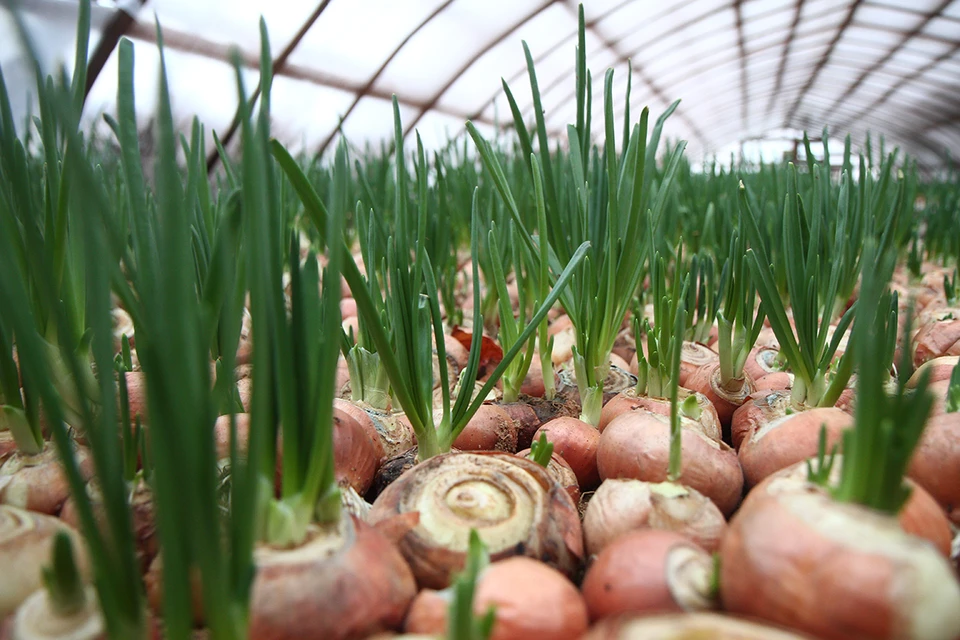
[[488, 393]]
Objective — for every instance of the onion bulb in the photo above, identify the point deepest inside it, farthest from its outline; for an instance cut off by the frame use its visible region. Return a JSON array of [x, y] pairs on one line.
[[576, 442], [342, 582], [621, 505], [37, 482], [512, 502], [649, 571], [533, 601], [835, 570], [637, 445], [37, 619], [687, 626], [26, 541]]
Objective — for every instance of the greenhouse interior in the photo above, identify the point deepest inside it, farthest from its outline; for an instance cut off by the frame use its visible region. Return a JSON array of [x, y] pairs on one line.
[[606, 319]]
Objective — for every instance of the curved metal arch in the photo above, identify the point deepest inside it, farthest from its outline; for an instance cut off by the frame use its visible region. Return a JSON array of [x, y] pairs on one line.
[[930, 111], [724, 128], [556, 46], [691, 74], [785, 56], [812, 78], [379, 72], [118, 26], [681, 67], [435, 98], [907, 36], [940, 88], [278, 64]]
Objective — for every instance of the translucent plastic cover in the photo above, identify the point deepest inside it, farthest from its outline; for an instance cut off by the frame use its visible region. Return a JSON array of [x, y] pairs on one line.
[[744, 70]]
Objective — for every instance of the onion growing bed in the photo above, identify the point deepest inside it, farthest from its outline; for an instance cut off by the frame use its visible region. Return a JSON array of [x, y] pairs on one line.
[[484, 393]]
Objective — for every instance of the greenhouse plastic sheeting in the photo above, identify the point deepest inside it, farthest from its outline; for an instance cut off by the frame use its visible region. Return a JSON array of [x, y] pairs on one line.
[[751, 75]]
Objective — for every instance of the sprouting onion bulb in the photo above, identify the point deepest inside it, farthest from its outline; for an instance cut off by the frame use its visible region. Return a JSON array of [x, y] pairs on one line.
[[541, 450], [603, 198], [887, 428]]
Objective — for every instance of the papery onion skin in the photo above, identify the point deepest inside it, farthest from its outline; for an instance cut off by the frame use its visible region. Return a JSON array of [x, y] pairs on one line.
[[622, 505], [337, 587], [920, 515], [708, 422], [533, 601], [761, 407], [561, 472], [649, 571], [576, 442], [776, 381], [935, 464], [835, 570], [514, 503], [490, 429], [788, 440], [356, 457], [703, 625], [706, 380], [26, 541], [364, 420], [637, 445], [939, 392], [693, 356], [37, 482], [935, 339], [940, 369], [761, 361]]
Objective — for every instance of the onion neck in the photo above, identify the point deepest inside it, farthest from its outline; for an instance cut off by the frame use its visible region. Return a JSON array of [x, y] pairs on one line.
[[15, 420]]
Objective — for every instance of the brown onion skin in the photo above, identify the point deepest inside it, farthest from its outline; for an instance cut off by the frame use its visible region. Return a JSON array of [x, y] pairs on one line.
[[637, 445], [759, 361], [776, 381], [526, 419], [628, 400], [631, 575], [935, 339], [622, 505], [700, 625], [561, 472], [555, 536], [364, 420], [939, 391], [362, 588], [38, 483], [789, 440], [920, 515], [693, 356], [760, 408], [940, 369], [533, 382], [533, 601], [348, 308], [785, 560], [706, 380], [490, 429], [576, 442], [356, 457], [923, 517], [137, 396], [936, 461]]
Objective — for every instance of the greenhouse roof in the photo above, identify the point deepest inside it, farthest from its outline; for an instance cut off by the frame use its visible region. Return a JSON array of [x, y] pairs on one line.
[[746, 71]]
